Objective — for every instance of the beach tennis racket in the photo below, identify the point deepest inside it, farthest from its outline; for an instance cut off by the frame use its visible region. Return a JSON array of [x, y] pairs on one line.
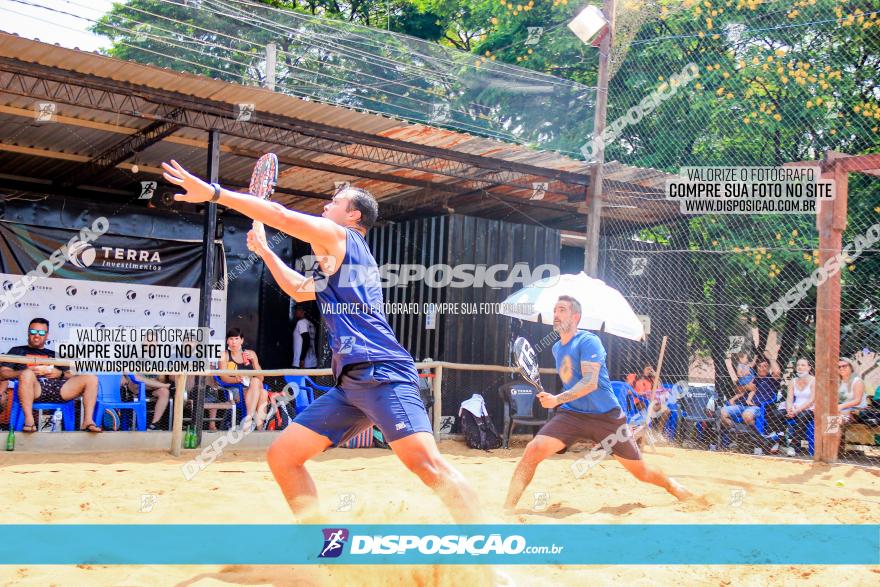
[[527, 362], [263, 181]]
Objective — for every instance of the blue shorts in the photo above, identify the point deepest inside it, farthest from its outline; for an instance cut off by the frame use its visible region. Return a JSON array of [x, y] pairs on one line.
[[384, 393], [739, 410]]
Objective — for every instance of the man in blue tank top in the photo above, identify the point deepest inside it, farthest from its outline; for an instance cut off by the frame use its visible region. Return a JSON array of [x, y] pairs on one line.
[[587, 410], [376, 379]]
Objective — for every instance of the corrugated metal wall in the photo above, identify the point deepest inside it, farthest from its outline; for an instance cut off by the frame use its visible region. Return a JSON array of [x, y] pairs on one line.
[[477, 338], [423, 241]]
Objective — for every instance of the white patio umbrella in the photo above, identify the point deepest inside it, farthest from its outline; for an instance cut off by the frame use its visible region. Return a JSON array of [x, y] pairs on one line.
[[602, 305]]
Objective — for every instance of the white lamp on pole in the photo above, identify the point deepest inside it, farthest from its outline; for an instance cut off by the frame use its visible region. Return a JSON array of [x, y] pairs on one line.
[[590, 25], [594, 27]]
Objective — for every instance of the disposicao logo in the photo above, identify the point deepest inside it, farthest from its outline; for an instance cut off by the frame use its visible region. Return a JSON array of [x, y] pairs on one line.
[[334, 540]]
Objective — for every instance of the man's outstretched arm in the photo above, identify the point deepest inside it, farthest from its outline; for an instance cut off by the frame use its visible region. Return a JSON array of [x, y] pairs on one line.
[[312, 229], [294, 284]]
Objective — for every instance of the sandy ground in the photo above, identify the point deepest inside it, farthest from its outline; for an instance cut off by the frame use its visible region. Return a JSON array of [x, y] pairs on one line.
[[107, 488]]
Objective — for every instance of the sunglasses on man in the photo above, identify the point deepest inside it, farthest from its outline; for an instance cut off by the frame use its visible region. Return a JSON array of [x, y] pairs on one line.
[[39, 331]]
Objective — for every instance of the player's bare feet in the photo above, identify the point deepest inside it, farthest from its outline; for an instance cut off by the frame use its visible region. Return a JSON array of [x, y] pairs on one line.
[[679, 490]]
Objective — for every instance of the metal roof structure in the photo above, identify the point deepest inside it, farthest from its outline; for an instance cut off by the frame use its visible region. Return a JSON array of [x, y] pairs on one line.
[[71, 119]]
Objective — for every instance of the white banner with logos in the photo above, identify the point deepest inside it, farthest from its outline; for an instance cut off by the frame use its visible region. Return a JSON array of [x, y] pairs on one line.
[[77, 303]]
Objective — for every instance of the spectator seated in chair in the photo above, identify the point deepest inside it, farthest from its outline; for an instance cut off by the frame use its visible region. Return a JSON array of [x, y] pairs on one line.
[[158, 387], [47, 383], [799, 404], [643, 385], [851, 395], [256, 398], [758, 392]]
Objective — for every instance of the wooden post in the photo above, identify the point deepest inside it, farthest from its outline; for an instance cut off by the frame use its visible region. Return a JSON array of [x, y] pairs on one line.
[[594, 220], [177, 422], [830, 222], [438, 400]]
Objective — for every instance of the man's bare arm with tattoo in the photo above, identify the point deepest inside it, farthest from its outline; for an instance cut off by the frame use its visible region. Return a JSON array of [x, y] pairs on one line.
[[588, 384]]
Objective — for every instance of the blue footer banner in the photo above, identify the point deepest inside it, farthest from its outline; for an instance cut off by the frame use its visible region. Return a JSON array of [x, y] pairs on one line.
[[622, 544]]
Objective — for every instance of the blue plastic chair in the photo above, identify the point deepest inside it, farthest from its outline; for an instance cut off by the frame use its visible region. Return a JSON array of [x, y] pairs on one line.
[[625, 395], [16, 417], [636, 417], [168, 410], [240, 407], [304, 391], [110, 397], [810, 435], [302, 394]]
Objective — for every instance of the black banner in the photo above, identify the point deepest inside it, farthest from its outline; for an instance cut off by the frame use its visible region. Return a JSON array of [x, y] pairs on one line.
[[89, 253]]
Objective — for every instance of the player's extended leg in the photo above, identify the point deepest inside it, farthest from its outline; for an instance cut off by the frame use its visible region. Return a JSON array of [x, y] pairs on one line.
[[654, 475], [287, 457], [419, 454], [329, 420], [538, 449]]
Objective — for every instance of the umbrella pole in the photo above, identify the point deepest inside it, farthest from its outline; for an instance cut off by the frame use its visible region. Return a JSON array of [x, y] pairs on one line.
[[654, 388]]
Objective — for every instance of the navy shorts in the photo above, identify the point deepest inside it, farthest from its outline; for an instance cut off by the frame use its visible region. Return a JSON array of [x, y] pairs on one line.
[[384, 393]]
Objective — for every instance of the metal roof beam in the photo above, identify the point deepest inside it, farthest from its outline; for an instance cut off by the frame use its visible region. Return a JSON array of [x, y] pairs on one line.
[[124, 149], [242, 152], [110, 95]]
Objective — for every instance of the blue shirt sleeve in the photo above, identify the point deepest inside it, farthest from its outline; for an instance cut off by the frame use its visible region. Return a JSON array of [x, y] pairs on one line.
[[591, 350]]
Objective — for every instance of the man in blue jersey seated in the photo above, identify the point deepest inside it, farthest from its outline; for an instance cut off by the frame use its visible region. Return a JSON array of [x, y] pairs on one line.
[[588, 409], [376, 379]]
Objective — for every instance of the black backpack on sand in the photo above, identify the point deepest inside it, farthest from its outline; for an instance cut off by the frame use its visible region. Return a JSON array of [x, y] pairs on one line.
[[479, 432]]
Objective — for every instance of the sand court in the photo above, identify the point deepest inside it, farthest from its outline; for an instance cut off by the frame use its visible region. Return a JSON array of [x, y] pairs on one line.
[[371, 486]]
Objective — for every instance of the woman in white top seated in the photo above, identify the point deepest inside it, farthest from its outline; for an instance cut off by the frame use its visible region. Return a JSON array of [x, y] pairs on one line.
[[799, 404], [851, 394]]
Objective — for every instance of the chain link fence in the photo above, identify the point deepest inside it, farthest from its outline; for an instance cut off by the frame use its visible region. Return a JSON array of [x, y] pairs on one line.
[[777, 82]]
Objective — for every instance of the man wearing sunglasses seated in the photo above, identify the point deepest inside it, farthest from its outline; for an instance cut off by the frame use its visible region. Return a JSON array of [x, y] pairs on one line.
[[48, 383]]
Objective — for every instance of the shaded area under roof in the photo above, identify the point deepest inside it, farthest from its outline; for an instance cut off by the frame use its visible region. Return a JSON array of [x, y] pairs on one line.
[[108, 114]]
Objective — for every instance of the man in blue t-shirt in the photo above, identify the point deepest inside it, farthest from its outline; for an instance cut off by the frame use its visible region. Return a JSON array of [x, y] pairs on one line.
[[376, 379], [588, 409]]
